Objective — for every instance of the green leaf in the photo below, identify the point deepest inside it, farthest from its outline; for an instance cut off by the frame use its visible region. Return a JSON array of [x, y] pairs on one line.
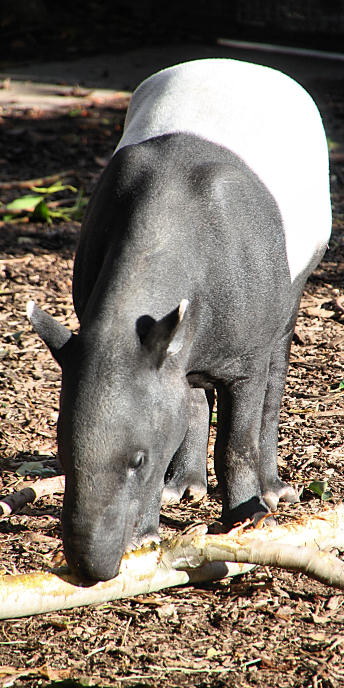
[[75, 212], [213, 418], [35, 468], [341, 385], [39, 208], [74, 112], [41, 212], [54, 188], [332, 145], [320, 487], [27, 203], [17, 336]]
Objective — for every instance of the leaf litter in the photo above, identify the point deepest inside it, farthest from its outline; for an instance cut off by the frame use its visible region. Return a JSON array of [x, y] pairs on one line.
[[261, 629]]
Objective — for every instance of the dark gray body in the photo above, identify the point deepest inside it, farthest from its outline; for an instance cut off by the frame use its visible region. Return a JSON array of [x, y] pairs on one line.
[[175, 219]]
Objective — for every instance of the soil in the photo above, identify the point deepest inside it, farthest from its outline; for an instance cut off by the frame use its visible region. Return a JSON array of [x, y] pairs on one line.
[[265, 628]]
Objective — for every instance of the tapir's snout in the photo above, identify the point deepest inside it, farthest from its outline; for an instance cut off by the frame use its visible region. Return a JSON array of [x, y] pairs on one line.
[[90, 563], [91, 559], [94, 543]]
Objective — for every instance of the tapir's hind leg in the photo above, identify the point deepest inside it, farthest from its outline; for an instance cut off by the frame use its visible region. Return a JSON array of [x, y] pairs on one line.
[[187, 472], [273, 489]]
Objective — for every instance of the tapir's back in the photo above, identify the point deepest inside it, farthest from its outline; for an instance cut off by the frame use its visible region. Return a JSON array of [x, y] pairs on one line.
[[264, 117]]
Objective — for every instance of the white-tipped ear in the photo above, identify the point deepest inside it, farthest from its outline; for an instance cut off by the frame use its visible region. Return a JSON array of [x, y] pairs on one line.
[[176, 342], [162, 338], [182, 308], [29, 309], [52, 332]]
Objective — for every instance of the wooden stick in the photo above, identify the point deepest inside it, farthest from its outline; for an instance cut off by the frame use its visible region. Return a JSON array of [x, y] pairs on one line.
[[188, 558], [40, 181], [40, 488], [15, 212], [283, 49]]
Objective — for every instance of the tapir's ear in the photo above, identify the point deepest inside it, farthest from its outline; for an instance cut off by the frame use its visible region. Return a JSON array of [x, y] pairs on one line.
[[52, 332], [163, 337]]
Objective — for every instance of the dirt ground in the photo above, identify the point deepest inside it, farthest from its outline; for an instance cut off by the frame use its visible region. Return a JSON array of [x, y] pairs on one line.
[[266, 628]]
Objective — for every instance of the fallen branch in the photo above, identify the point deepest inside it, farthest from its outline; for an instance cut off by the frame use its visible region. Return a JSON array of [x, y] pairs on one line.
[[191, 557], [40, 488], [39, 181]]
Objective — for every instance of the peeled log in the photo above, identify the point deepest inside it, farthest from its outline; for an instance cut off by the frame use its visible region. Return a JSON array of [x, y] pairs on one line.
[[39, 488], [191, 557]]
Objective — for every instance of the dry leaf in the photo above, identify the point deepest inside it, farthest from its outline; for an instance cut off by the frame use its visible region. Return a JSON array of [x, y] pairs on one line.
[[334, 602], [284, 612], [168, 612]]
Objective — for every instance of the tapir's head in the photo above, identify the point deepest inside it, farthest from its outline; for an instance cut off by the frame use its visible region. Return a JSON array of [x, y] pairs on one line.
[[122, 417]]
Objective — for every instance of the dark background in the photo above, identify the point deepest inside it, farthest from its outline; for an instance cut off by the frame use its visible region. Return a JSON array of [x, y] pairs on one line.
[[46, 29]]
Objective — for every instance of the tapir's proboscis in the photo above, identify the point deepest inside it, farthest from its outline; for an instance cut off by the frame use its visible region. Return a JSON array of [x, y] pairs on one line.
[[193, 255]]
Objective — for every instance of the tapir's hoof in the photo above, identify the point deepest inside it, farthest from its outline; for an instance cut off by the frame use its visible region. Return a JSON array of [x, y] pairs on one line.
[[258, 519], [195, 493], [170, 496], [143, 541], [261, 518], [173, 495], [217, 528], [249, 512], [281, 491]]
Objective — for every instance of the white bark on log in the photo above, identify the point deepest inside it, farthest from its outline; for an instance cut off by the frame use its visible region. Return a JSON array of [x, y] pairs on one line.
[[40, 488], [189, 558]]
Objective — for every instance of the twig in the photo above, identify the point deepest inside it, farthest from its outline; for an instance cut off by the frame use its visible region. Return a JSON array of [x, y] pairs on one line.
[[283, 49], [40, 181], [14, 212], [126, 631], [22, 259], [319, 414]]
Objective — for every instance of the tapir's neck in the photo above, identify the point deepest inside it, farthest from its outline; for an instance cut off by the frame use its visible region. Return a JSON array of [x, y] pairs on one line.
[[150, 241]]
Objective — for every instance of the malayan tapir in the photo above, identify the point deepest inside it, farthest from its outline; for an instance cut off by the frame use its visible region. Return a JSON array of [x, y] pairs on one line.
[[193, 254]]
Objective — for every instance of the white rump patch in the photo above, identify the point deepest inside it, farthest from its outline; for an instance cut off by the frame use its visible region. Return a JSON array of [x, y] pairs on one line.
[[263, 116]]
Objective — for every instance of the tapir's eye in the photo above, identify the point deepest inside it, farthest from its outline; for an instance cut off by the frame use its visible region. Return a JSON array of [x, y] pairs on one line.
[[137, 460]]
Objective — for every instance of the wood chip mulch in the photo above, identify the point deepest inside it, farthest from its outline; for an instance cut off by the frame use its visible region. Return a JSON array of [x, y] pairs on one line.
[[266, 628]]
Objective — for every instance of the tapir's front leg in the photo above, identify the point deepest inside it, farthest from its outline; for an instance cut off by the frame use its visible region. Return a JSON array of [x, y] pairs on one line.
[[239, 417]]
